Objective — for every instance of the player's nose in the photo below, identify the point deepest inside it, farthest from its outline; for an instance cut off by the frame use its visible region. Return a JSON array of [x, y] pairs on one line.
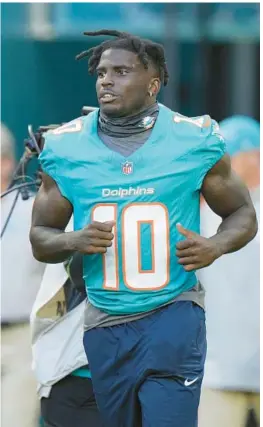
[[107, 81]]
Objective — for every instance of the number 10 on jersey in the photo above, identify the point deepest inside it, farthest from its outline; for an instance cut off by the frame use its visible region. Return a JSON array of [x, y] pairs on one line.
[[128, 239]]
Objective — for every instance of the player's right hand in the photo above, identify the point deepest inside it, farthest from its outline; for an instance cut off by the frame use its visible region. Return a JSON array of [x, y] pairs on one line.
[[95, 238]]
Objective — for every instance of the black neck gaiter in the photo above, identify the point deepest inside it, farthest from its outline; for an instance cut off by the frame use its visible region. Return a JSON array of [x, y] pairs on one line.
[[126, 126]]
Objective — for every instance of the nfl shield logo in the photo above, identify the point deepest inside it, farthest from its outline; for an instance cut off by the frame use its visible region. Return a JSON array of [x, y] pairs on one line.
[[127, 168]]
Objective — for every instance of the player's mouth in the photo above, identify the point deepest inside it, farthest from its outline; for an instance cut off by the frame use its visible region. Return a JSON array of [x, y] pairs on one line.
[[107, 97]]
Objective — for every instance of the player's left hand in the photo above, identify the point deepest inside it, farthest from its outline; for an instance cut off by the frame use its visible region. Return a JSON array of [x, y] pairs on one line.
[[195, 251]]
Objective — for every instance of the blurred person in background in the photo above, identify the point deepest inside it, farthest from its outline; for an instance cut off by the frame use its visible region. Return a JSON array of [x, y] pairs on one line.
[[59, 360], [139, 378], [21, 275], [7, 157], [231, 381], [64, 384]]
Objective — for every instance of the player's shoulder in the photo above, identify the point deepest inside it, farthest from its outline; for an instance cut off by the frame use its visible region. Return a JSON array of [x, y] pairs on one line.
[[72, 127], [195, 134], [199, 128], [64, 138], [199, 125], [184, 124]]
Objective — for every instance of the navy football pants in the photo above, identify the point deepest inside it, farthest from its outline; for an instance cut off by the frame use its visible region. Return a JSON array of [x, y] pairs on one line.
[[148, 372]]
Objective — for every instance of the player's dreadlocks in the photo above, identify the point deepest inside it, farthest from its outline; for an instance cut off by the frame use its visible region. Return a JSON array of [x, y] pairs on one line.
[[145, 49]]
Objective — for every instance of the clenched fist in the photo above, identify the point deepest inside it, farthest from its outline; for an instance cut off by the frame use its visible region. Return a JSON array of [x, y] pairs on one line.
[[195, 251], [95, 238]]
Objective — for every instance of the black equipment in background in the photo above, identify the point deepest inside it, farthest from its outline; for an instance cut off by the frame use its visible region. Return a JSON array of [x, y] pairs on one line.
[[21, 182]]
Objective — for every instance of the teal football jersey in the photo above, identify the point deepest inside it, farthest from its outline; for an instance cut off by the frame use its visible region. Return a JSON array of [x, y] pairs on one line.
[[146, 194]]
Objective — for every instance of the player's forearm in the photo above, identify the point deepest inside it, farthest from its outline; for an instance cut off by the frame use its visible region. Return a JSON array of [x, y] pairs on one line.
[[50, 245], [236, 230]]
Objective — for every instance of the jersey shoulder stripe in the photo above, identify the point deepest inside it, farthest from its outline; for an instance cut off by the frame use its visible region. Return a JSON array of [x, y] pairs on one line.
[[191, 121], [75, 125], [204, 125]]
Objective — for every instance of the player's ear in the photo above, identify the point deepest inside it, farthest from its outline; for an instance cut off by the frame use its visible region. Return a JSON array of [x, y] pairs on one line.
[[154, 86]]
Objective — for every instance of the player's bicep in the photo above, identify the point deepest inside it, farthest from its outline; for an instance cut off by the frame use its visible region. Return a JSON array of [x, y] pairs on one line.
[[223, 190], [50, 208]]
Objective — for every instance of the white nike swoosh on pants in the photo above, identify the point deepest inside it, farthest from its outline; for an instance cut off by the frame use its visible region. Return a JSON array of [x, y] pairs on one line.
[[187, 382]]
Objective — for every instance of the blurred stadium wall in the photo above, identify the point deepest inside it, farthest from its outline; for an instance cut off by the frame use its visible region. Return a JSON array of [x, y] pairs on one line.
[[212, 51]]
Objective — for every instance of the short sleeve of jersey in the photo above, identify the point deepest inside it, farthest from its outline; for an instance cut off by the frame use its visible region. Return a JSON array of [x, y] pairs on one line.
[[52, 165], [211, 151]]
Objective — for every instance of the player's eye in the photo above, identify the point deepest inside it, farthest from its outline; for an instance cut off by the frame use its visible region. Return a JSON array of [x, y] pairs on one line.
[[122, 71], [100, 74]]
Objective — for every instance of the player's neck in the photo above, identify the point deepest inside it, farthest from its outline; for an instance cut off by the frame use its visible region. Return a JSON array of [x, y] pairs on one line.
[[129, 125], [144, 111]]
